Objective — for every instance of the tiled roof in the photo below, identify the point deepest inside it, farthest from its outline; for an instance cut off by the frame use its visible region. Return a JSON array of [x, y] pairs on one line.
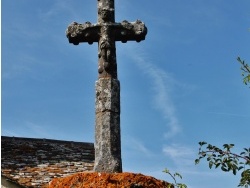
[[34, 162]]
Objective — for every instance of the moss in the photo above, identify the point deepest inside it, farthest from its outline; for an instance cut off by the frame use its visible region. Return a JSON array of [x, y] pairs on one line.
[[106, 180]]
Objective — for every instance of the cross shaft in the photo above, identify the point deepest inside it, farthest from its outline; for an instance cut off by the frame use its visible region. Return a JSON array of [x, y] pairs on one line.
[[106, 32]]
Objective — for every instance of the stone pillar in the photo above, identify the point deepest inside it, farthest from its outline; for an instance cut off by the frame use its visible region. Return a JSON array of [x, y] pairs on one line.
[[107, 135], [106, 32]]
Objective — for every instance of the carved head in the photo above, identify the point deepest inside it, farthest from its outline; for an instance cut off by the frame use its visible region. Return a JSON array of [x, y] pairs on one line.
[[106, 14], [140, 28]]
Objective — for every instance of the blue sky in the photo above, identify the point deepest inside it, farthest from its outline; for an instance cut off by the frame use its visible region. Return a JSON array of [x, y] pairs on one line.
[[180, 86]]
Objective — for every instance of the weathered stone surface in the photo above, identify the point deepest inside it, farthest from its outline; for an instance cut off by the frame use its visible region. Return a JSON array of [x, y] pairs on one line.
[[106, 32], [107, 95], [124, 31], [107, 135]]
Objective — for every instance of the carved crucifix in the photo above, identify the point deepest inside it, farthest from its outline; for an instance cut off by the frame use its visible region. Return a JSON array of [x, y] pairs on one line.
[[107, 104]]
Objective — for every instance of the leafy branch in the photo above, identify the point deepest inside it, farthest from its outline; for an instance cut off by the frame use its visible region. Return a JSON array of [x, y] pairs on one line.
[[173, 176], [227, 160], [245, 71]]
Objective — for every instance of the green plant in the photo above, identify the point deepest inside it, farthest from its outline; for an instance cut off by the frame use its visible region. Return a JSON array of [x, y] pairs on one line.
[[245, 71], [227, 160], [173, 176]]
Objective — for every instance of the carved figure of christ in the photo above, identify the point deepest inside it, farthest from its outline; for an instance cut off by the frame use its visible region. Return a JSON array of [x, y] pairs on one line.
[[107, 104]]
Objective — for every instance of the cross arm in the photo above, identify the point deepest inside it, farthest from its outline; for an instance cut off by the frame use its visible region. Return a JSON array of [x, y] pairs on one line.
[[86, 32], [124, 31], [130, 31]]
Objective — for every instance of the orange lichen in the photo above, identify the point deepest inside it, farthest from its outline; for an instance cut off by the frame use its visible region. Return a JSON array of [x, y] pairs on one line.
[[106, 180]]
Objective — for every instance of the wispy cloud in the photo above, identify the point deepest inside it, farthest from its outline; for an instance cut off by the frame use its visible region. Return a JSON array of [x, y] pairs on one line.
[[180, 154], [141, 147], [37, 130], [6, 132], [230, 114], [67, 9], [183, 157], [163, 83], [27, 129], [135, 145], [57, 8], [22, 64]]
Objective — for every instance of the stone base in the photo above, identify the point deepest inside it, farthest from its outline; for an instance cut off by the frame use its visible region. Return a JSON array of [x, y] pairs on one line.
[[107, 128], [104, 180]]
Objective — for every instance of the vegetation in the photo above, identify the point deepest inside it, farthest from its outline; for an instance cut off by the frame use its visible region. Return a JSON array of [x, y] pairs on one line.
[[224, 158], [173, 176], [227, 160], [245, 71]]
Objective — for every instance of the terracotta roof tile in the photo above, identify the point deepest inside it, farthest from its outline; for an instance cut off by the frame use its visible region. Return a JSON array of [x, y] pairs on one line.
[[34, 162]]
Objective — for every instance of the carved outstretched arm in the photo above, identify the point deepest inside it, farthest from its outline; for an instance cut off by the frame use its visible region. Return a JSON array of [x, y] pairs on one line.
[[130, 31], [86, 32], [124, 31]]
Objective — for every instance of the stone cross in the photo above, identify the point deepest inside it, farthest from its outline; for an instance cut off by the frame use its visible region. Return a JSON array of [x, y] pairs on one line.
[[107, 103]]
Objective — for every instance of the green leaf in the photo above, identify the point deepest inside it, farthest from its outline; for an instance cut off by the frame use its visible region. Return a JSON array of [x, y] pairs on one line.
[[247, 150], [225, 146], [217, 160], [170, 185], [210, 147], [180, 185], [240, 168], [242, 153], [166, 170], [217, 165], [202, 143], [177, 174], [223, 168], [203, 154], [234, 171], [211, 164]]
